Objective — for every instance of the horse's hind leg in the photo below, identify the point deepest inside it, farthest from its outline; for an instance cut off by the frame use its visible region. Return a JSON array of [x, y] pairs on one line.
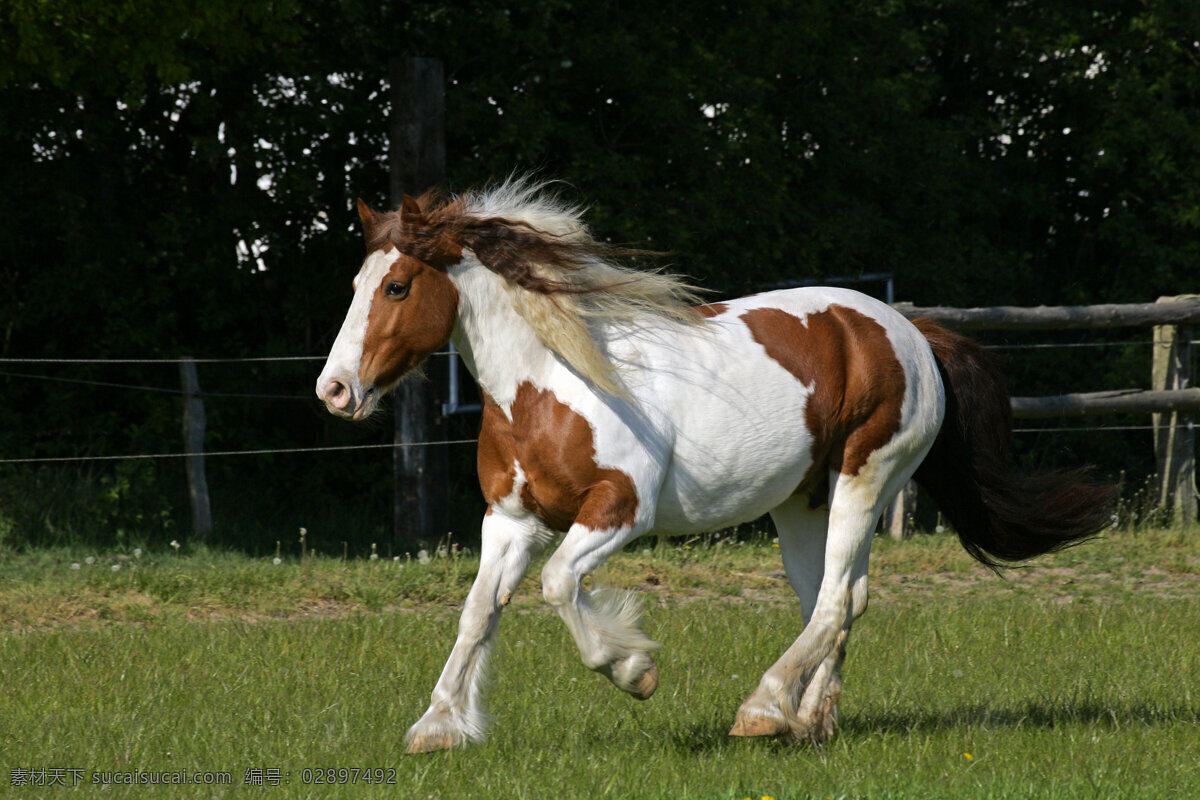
[[802, 533], [804, 561], [803, 686]]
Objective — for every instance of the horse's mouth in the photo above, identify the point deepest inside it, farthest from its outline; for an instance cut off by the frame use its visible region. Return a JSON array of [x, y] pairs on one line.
[[341, 399], [366, 407]]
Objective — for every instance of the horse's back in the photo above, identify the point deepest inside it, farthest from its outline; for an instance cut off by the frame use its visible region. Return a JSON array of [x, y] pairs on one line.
[[776, 390]]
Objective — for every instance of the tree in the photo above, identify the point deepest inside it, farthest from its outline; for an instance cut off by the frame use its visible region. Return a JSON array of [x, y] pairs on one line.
[[179, 178]]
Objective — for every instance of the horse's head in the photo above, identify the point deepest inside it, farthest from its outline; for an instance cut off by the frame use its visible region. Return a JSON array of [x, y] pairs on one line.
[[404, 308]]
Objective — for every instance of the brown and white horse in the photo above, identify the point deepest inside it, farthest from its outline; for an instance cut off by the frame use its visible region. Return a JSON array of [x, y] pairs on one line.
[[616, 407]]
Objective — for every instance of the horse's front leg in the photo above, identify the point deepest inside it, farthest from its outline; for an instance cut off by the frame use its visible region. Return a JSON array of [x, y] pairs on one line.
[[455, 715], [604, 623]]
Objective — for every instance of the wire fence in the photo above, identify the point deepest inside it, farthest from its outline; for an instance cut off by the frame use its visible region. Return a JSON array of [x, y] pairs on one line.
[[307, 397], [179, 360], [161, 389], [210, 453]]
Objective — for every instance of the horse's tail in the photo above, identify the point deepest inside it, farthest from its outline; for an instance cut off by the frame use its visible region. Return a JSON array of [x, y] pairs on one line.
[[1000, 515]]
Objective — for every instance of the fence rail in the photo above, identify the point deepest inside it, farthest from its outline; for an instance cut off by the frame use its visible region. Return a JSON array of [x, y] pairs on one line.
[[1170, 401], [1120, 401], [1178, 311]]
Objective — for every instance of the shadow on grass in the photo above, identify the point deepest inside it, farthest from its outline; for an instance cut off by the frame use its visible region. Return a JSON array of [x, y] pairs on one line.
[[1039, 714], [712, 735]]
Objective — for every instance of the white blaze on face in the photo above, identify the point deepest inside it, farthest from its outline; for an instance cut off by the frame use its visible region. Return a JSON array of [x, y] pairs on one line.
[[339, 386]]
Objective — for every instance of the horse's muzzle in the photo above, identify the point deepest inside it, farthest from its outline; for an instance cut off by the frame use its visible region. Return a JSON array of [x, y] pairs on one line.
[[340, 398]]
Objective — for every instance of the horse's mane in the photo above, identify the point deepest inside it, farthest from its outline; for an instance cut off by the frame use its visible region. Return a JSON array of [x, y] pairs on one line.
[[562, 281]]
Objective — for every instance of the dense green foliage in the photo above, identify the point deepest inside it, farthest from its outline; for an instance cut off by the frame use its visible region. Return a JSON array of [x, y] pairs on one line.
[[178, 178]]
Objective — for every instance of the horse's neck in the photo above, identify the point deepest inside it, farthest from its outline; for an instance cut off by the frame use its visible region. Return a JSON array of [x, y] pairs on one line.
[[499, 347]]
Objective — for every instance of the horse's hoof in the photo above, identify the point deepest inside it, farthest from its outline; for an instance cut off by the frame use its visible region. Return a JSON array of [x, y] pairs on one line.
[[758, 725], [430, 744], [636, 674], [816, 731], [432, 733], [646, 684], [756, 719]]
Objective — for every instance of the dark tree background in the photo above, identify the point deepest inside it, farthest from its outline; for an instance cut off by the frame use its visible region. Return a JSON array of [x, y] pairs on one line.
[[178, 178]]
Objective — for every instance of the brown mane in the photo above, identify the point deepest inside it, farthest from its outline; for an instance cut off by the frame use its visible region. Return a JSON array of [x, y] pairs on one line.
[[435, 230], [561, 279]]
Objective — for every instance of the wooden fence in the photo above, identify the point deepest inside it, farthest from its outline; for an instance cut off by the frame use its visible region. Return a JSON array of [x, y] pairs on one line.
[[1171, 401]]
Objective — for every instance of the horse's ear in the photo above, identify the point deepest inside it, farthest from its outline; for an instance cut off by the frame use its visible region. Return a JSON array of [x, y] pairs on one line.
[[368, 217], [409, 207]]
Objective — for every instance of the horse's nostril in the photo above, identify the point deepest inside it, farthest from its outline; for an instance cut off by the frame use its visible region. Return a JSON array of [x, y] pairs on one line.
[[337, 394]]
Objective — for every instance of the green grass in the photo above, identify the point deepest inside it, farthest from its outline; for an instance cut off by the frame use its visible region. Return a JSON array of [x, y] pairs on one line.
[[1076, 678]]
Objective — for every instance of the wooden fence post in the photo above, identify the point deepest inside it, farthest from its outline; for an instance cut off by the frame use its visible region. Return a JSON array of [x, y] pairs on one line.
[[1174, 441], [417, 161], [897, 519], [193, 442]]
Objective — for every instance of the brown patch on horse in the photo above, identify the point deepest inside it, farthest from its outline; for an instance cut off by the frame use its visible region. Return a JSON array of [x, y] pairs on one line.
[[856, 379], [495, 457], [555, 448], [422, 319], [710, 310]]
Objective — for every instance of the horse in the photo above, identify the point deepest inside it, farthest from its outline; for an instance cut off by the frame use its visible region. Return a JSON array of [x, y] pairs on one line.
[[617, 404]]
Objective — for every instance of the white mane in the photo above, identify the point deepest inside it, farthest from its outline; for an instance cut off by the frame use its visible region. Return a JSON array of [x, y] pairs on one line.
[[583, 284]]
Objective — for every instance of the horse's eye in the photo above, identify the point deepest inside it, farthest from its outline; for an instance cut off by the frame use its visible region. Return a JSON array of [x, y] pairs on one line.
[[396, 289]]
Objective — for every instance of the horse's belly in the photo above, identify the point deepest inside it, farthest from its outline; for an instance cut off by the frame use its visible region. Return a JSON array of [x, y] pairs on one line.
[[734, 470]]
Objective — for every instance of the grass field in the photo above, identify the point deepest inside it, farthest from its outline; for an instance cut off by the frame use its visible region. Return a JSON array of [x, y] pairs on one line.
[[1078, 677]]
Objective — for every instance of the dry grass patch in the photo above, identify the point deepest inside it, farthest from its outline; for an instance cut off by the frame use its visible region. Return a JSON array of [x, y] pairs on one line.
[[54, 588]]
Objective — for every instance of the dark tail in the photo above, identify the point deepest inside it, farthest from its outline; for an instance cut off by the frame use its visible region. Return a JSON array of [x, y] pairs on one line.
[[1000, 515]]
